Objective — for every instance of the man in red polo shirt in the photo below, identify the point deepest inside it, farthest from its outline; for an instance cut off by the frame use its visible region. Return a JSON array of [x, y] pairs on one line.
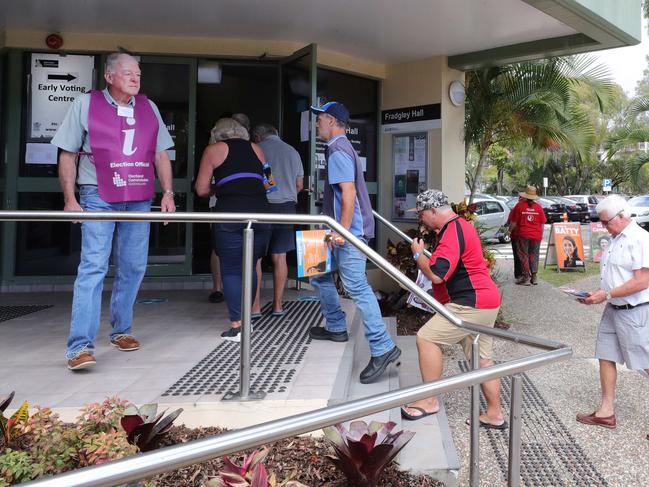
[[458, 263]]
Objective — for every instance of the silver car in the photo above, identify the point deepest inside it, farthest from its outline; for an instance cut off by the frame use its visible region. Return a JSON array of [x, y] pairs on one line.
[[492, 218]]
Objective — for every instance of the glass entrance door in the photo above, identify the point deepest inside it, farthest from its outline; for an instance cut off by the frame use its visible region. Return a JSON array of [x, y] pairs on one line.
[[297, 127], [171, 84]]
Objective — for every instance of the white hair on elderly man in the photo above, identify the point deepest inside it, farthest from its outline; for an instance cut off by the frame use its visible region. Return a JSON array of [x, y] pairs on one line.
[[613, 205], [114, 58]]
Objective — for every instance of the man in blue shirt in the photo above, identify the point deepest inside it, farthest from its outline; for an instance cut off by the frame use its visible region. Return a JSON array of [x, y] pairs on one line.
[[346, 200]]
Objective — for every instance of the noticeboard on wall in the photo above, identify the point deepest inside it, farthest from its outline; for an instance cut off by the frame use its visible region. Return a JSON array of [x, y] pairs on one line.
[[410, 166]]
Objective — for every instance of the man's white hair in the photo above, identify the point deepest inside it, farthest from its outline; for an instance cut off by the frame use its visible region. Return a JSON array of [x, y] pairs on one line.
[[612, 205], [114, 59]]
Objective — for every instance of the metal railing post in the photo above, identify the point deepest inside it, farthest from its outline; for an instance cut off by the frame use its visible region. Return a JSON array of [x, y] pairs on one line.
[[248, 267], [474, 472], [516, 401]]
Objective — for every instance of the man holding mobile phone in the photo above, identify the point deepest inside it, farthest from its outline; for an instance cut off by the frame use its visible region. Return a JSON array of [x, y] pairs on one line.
[[623, 335]]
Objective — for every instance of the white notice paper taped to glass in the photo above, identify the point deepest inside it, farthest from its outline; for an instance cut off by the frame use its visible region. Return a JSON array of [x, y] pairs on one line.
[[304, 126], [40, 153]]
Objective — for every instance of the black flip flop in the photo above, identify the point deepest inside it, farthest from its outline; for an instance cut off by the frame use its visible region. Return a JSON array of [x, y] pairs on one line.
[[502, 426], [411, 417]]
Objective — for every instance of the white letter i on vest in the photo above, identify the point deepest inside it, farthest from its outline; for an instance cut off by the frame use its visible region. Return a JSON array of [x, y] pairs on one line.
[[127, 148]]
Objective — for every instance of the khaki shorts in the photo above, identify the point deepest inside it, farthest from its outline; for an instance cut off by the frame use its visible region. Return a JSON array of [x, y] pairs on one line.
[[439, 330]]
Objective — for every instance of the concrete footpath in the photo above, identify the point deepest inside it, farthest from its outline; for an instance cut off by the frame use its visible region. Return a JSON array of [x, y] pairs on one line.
[[613, 457]]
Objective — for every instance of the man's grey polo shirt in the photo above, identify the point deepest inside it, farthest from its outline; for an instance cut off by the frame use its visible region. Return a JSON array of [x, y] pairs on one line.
[[286, 166], [72, 135]]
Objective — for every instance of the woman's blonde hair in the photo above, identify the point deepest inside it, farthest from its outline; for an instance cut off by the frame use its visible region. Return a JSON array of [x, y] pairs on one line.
[[227, 128]]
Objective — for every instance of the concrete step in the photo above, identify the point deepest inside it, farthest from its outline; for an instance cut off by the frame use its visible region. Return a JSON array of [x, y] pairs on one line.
[[361, 356], [432, 450]]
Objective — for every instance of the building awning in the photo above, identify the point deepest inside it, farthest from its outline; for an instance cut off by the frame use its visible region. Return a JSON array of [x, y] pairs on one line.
[[471, 33]]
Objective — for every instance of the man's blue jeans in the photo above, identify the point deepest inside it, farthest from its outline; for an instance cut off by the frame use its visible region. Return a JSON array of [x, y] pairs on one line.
[[351, 267], [129, 242]]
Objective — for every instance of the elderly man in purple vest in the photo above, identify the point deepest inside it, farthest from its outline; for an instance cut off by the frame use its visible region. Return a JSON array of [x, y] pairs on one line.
[[347, 201], [120, 142]]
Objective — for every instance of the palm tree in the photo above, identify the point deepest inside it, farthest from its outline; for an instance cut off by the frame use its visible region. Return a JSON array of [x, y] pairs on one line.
[[531, 101]]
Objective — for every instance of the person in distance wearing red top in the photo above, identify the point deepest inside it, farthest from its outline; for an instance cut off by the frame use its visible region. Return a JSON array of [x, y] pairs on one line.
[[526, 220]]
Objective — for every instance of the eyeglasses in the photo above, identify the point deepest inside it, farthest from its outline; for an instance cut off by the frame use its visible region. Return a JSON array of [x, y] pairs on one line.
[[606, 222]]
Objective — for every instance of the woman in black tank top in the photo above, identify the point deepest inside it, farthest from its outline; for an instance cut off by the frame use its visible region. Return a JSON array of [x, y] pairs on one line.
[[236, 166]]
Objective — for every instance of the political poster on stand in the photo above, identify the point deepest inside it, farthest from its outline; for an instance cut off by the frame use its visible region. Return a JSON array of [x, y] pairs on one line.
[[600, 239], [566, 247]]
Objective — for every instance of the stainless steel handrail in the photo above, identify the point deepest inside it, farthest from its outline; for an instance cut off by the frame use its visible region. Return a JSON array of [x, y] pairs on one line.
[[153, 463], [396, 229], [178, 456]]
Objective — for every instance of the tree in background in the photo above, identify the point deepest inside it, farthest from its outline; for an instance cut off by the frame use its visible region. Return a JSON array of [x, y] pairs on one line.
[[531, 101]]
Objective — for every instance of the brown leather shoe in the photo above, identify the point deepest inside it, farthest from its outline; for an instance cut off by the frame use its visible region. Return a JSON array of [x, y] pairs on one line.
[[81, 361], [533, 279], [605, 422], [125, 343]]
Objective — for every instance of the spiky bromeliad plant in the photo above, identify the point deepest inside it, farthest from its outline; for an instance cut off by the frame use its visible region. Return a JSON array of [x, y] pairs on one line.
[[365, 450], [11, 427], [145, 427], [251, 473]]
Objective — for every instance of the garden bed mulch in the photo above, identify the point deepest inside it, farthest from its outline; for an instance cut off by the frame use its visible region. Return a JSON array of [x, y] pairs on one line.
[[299, 458]]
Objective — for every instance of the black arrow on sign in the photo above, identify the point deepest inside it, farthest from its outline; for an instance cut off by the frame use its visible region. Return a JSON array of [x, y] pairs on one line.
[[65, 77]]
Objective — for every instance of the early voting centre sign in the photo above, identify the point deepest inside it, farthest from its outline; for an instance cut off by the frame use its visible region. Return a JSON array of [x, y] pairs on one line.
[[56, 80]]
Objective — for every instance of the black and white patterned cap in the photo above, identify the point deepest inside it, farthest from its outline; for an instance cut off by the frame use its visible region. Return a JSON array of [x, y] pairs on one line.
[[431, 198]]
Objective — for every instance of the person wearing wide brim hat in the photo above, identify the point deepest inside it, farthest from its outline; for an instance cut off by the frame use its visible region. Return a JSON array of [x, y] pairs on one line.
[[529, 193], [526, 222]]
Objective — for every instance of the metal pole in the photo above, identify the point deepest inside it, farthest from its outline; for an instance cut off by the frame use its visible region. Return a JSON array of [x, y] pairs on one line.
[[248, 267], [474, 474], [514, 468], [396, 230]]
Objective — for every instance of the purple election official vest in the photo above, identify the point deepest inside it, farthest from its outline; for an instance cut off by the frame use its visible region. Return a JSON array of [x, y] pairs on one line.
[[123, 149]]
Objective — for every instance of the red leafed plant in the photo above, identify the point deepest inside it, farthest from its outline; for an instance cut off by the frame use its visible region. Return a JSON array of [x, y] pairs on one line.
[[145, 427], [11, 427], [251, 473], [365, 450]]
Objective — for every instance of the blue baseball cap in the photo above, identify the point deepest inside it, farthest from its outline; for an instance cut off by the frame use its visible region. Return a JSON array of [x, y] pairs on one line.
[[335, 109]]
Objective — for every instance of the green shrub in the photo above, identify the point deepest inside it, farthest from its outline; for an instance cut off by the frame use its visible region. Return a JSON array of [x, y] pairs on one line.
[[16, 467]]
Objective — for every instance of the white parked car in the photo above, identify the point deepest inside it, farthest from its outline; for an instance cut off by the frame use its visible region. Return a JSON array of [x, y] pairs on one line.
[[492, 218], [640, 210]]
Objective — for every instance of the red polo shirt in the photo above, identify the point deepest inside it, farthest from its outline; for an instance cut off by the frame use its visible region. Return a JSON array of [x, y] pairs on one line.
[[459, 261], [529, 220]]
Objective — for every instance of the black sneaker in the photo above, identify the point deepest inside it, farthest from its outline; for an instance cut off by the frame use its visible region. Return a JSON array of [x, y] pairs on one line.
[[377, 365], [215, 297], [321, 333], [232, 335]]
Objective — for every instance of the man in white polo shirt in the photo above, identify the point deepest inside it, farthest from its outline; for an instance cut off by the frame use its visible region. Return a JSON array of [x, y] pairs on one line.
[[623, 336]]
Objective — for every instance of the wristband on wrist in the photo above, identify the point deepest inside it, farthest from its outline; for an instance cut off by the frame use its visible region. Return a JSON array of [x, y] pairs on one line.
[[416, 255], [169, 192]]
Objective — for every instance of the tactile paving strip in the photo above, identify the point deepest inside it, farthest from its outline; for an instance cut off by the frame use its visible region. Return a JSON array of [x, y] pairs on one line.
[[550, 455], [10, 312], [278, 346]]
